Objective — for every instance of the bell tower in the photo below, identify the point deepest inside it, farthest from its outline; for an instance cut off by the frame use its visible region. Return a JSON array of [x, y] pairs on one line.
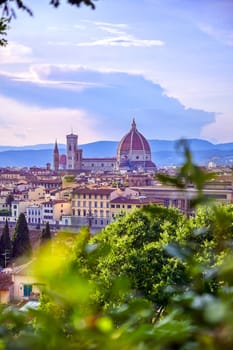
[[71, 150], [56, 157]]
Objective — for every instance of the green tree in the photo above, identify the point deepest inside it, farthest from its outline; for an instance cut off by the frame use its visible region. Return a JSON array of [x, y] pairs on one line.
[[9, 199], [9, 11], [3, 31], [133, 248], [46, 234], [5, 245], [21, 245]]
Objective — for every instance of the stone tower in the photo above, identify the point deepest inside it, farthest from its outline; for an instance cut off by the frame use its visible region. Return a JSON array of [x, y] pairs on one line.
[[71, 150], [56, 157]]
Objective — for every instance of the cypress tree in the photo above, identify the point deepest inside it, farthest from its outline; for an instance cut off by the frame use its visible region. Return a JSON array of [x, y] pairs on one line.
[[5, 245], [46, 234], [21, 241]]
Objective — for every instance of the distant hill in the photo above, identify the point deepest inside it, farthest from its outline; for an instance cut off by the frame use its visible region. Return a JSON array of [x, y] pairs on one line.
[[164, 152]]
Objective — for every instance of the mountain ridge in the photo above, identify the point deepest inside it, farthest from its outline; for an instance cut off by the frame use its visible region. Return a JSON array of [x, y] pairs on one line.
[[164, 152]]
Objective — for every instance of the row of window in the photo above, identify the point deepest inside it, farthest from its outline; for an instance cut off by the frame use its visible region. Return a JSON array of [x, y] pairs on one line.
[[129, 206], [34, 220], [84, 212], [91, 196], [35, 212], [89, 205]]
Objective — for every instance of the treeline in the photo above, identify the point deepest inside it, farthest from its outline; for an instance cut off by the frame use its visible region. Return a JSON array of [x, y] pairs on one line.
[[19, 245]]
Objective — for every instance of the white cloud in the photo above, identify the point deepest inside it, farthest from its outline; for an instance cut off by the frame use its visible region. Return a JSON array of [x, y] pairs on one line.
[[125, 41], [220, 129], [23, 124], [222, 35], [15, 53], [117, 36]]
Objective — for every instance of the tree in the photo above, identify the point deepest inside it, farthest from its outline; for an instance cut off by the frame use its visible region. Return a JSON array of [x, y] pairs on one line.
[[9, 199], [3, 31], [134, 250], [5, 246], [8, 12], [21, 241], [46, 234]]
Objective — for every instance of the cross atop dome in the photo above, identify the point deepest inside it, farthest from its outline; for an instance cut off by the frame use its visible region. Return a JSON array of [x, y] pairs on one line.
[[134, 125]]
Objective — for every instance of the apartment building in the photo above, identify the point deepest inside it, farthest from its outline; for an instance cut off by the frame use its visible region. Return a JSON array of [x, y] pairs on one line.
[[126, 204], [91, 206]]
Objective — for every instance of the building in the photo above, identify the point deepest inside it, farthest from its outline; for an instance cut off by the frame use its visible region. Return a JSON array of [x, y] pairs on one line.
[[125, 204], [133, 154], [91, 206]]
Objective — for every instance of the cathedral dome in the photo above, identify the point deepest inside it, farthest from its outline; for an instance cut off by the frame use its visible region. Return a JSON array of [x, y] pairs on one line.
[[133, 141], [133, 151]]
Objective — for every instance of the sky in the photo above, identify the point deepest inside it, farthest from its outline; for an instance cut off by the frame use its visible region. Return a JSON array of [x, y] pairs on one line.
[[166, 63]]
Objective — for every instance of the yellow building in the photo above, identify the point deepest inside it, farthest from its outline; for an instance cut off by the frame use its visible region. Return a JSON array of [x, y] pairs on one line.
[[127, 204], [91, 206]]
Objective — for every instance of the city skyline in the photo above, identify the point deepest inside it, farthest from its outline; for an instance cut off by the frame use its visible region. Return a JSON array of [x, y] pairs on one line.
[[166, 63]]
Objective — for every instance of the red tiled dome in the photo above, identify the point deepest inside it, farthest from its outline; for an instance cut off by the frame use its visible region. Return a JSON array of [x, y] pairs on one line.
[[134, 152], [133, 141]]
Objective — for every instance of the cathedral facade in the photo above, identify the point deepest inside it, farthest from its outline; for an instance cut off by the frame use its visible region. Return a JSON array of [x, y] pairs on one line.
[[133, 154]]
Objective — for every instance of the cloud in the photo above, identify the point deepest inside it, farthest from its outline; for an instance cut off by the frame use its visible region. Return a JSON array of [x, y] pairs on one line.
[[117, 36], [25, 124], [15, 53], [125, 41], [222, 35], [102, 109]]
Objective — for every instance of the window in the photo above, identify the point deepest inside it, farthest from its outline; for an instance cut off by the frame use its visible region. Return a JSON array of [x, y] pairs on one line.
[[96, 204], [84, 204], [129, 206], [112, 205], [118, 206], [101, 204]]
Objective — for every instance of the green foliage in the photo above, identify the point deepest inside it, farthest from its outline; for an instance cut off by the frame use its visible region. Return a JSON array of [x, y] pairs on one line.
[[46, 234], [3, 31], [68, 178], [189, 174], [5, 245], [21, 241], [134, 249], [5, 212]]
